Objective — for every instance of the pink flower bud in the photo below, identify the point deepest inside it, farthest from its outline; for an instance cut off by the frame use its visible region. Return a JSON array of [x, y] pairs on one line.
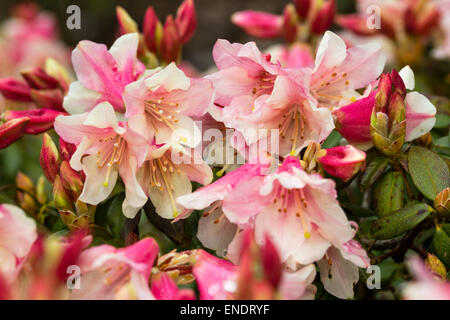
[[398, 83], [40, 120], [259, 24], [342, 162], [60, 197], [186, 21], [324, 17], [150, 29], [14, 90], [290, 21], [353, 120], [170, 44], [355, 23], [39, 79], [302, 7], [48, 98], [126, 23], [49, 158], [12, 130], [271, 262], [71, 180]]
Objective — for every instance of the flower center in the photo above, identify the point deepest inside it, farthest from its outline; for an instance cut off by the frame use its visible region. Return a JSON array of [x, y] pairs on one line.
[[160, 177], [293, 124], [265, 85], [110, 154], [296, 198], [161, 111]]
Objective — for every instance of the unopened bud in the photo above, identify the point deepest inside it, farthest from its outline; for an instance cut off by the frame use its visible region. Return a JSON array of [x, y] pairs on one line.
[[15, 90], [40, 120], [170, 45], [39, 79], [56, 70], [49, 158], [41, 196], [290, 21], [61, 199], [12, 130], [126, 23], [186, 21], [324, 17], [48, 98], [436, 266], [66, 149], [343, 161], [442, 202], [302, 7], [71, 180], [152, 30]]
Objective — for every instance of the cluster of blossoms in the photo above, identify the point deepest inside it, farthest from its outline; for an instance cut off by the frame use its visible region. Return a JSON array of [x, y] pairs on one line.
[[133, 117]]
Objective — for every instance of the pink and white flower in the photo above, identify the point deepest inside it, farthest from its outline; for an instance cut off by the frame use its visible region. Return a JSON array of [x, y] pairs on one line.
[[102, 74], [425, 285], [168, 99], [17, 235], [167, 174], [106, 148], [111, 273]]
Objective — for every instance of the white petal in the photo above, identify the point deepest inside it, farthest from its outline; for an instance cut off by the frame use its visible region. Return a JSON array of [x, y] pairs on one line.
[[170, 78], [407, 76], [103, 116], [80, 99]]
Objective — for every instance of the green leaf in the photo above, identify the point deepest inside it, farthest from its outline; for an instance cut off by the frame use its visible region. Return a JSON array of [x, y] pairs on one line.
[[373, 171], [442, 121], [389, 193], [398, 222], [114, 216], [428, 171], [440, 246], [357, 210], [332, 140], [442, 145]]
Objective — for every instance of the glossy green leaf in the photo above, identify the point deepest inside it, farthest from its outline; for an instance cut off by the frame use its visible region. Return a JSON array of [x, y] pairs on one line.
[[440, 246], [374, 170], [428, 171], [389, 193], [398, 222]]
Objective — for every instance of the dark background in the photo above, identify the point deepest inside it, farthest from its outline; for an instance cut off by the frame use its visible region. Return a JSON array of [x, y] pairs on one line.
[[98, 20]]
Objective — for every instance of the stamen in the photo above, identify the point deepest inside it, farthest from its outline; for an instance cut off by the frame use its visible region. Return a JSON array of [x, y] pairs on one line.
[[299, 199]]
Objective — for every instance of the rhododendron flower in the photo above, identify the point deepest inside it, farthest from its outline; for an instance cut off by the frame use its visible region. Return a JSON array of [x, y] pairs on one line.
[[111, 273], [28, 39], [259, 24], [224, 206], [168, 98], [167, 174], [243, 70], [442, 50], [106, 148], [102, 74], [425, 285], [353, 120], [219, 279], [339, 71], [297, 55], [17, 235]]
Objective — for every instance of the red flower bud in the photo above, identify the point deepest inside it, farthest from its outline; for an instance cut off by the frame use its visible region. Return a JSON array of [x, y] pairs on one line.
[[48, 98], [49, 158], [12, 130], [170, 45], [324, 18], [398, 83], [39, 79], [71, 180], [186, 20], [302, 7], [14, 90], [150, 29], [40, 120], [290, 21]]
